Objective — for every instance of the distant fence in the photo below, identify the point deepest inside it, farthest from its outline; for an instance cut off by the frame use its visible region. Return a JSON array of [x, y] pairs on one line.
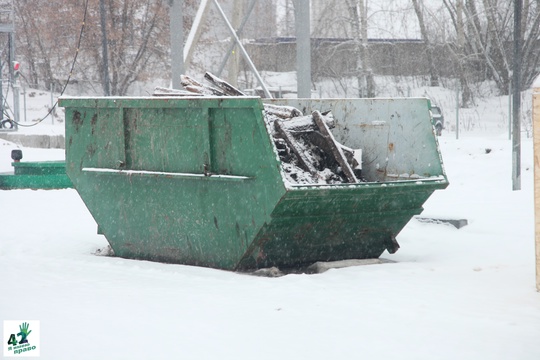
[[336, 57]]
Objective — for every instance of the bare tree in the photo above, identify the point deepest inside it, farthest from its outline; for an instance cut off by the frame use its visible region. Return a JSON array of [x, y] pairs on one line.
[[351, 24], [429, 48], [48, 32], [358, 13], [486, 29], [459, 50], [136, 36], [44, 41]]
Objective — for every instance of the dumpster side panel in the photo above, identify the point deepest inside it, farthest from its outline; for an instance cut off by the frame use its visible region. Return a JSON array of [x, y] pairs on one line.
[[184, 184], [151, 139], [361, 198], [173, 220], [310, 225], [302, 244], [396, 135]]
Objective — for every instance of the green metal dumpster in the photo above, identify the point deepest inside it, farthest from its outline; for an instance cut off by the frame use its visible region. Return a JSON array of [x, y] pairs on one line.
[[199, 181]]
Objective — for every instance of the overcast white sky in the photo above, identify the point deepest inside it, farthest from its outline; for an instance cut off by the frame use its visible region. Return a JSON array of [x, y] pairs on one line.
[[386, 18]]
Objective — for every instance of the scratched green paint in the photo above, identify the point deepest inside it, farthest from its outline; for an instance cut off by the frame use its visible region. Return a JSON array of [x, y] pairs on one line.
[[147, 169]]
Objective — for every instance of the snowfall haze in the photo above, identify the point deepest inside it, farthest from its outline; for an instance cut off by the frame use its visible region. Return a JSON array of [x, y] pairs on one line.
[[450, 294], [446, 294]]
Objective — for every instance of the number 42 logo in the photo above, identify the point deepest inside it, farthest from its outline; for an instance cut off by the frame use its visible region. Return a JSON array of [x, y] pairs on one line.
[[23, 333]]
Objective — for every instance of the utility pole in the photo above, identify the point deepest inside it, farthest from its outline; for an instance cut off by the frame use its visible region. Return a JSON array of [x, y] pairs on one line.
[[1, 96], [14, 82], [536, 138], [176, 19], [368, 73], [7, 25], [104, 47], [303, 48], [516, 113]]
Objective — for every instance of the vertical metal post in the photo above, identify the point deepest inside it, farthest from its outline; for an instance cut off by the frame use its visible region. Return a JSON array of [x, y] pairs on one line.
[[16, 103], [24, 102], [52, 102], [104, 49], [536, 140], [457, 109], [510, 110], [1, 95], [14, 85], [516, 109], [367, 78], [303, 48], [176, 17]]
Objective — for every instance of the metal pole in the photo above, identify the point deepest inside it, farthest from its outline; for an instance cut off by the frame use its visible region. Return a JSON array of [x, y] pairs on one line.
[[16, 103], [516, 109], [14, 85], [24, 102], [243, 50], [176, 19], [104, 48], [52, 102], [1, 96], [510, 110], [457, 109], [303, 48], [536, 141]]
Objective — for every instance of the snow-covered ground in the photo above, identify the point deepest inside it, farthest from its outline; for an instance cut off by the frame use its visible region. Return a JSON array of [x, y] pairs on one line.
[[451, 294]]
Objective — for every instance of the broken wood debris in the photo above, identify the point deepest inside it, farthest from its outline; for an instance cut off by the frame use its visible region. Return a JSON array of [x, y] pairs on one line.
[[334, 148], [227, 88], [307, 149], [282, 112], [161, 91], [194, 86], [301, 155], [311, 149]]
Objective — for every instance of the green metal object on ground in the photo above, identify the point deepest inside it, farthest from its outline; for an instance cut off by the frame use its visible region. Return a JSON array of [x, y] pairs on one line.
[[36, 175], [199, 181]]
